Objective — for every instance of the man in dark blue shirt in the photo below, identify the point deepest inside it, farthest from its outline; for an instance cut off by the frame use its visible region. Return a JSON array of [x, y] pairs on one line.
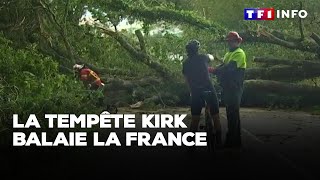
[[195, 71]]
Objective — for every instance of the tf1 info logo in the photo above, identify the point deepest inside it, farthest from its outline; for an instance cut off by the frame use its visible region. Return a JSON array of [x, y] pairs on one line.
[[269, 14]]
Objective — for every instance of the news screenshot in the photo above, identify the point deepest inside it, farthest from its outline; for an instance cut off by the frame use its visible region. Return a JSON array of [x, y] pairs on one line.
[[160, 89]]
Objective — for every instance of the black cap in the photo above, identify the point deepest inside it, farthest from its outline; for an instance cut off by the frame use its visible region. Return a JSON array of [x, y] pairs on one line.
[[193, 45]]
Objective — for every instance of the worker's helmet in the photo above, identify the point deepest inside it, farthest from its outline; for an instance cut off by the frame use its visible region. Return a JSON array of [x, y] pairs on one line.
[[233, 35], [78, 66]]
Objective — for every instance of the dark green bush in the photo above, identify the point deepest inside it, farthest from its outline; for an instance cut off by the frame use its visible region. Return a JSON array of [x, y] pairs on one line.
[[31, 84]]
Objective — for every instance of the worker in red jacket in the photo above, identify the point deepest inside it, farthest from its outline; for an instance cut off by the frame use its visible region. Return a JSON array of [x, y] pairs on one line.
[[90, 79]]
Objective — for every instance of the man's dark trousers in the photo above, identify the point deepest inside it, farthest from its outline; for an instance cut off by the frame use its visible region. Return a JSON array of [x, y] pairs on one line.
[[232, 100]]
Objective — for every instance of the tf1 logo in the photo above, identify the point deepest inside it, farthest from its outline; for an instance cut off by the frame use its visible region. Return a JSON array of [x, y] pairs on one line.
[[269, 14]]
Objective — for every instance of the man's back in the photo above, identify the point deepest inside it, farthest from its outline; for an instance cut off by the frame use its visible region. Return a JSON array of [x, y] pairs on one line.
[[195, 68]]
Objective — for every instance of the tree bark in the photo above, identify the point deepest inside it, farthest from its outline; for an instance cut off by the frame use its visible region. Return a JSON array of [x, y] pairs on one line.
[[269, 93], [316, 38], [274, 61], [283, 73], [141, 41], [283, 69]]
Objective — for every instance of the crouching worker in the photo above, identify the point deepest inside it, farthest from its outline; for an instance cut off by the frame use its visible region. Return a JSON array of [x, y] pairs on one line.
[[90, 79], [195, 71]]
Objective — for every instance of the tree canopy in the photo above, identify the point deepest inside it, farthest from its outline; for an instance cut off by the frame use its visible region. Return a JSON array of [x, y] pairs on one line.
[[128, 40]]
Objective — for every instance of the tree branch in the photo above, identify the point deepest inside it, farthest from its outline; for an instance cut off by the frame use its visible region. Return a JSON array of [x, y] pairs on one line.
[[61, 30], [301, 25], [142, 56], [159, 13], [278, 41], [124, 43], [316, 38], [267, 37], [141, 41], [66, 14]]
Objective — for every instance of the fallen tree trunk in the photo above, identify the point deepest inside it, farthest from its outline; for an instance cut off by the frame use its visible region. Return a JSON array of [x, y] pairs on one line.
[[120, 84], [273, 93], [280, 87], [266, 93], [257, 93], [283, 72], [275, 61], [283, 69], [126, 92]]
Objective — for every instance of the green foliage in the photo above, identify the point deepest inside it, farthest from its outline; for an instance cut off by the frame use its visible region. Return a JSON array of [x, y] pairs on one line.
[[105, 52], [30, 83], [315, 110], [313, 82]]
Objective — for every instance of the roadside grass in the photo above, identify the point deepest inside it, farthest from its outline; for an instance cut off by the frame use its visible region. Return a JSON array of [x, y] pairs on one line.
[[314, 110]]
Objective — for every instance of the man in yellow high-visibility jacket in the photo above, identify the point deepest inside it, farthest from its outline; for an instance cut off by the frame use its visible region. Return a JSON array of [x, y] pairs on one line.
[[231, 77]]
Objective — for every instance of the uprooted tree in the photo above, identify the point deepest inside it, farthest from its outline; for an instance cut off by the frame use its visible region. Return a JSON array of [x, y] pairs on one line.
[[272, 82], [54, 28]]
